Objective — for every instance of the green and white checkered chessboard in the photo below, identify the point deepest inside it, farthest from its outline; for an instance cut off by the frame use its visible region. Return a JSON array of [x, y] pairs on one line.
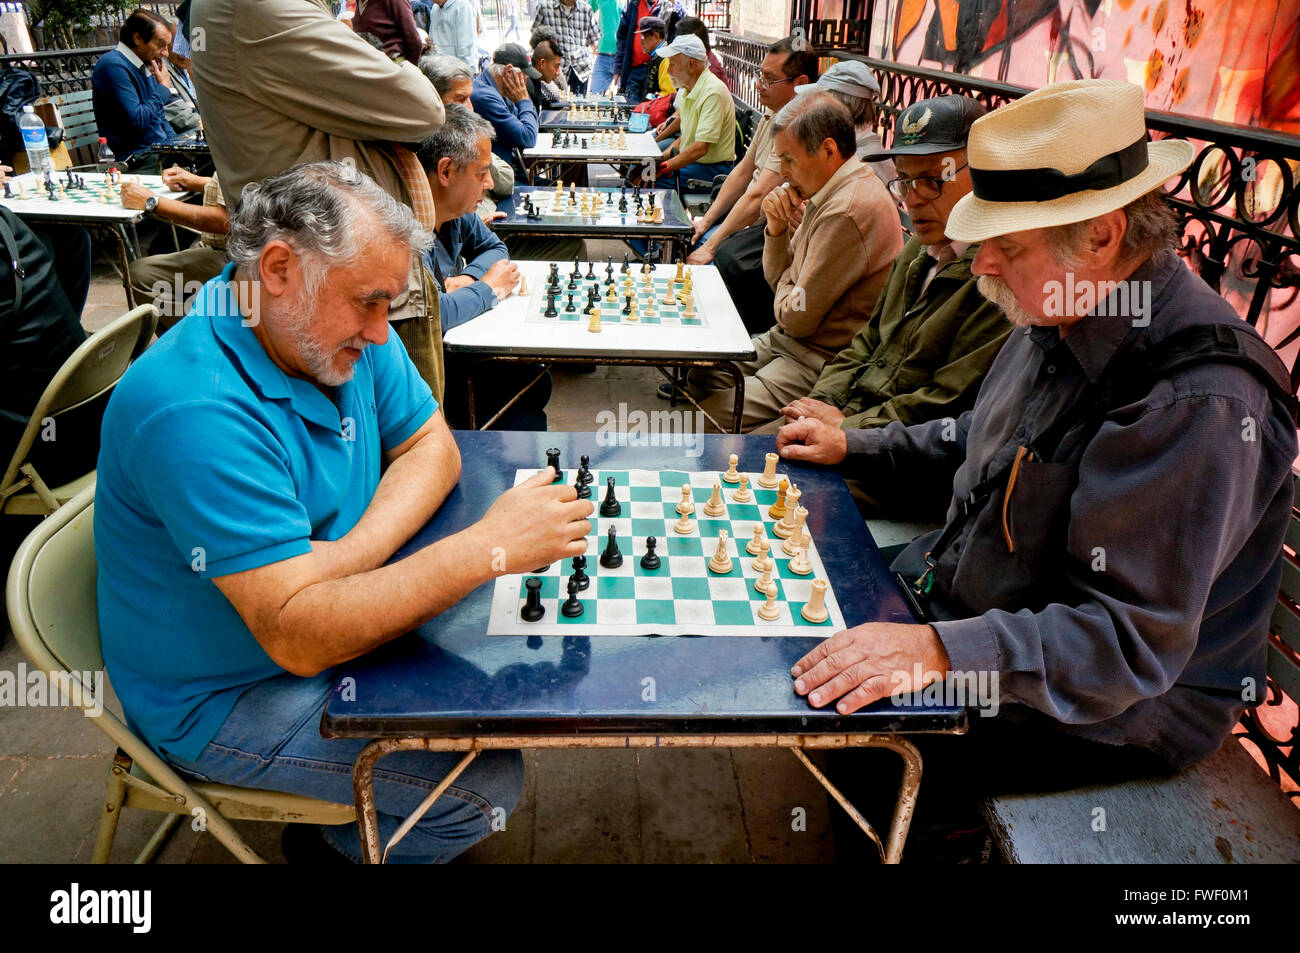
[[683, 596], [651, 311]]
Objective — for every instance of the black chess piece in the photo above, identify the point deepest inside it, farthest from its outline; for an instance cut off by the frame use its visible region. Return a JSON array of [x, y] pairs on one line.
[[49, 187], [609, 271], [624, 269], [8, 192], [570, 307], [584, 491], [591, 270], [572, 607], [580, 572], [577, 268], [651, 559], [652, 201], [550, 311], [553, 460], [533, 608], [584, 470], [553, 277], [611, 558], [584, 142], [610, 506], [627, 304]]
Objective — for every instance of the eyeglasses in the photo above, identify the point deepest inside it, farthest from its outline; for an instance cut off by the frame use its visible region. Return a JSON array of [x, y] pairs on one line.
[[925, 186], [765, 83]]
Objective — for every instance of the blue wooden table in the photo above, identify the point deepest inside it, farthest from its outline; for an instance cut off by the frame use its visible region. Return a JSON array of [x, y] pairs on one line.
[[450, 687], [675, 231]]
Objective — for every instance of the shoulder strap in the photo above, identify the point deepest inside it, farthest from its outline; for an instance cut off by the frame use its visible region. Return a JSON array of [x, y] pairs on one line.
[[15, 263]]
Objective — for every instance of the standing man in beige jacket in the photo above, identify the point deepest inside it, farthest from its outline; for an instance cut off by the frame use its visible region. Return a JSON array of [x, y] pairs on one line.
[[283, 82], [826, 274]]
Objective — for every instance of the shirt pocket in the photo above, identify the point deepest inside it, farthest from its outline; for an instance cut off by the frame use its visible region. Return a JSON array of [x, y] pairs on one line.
[[1036, 512]]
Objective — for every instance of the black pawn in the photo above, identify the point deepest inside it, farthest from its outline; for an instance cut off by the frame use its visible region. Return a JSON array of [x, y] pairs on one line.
[[572, 607], [577, 268], [553, 460], [8, 192], [651, 559], [533, 608], [627, 304], [584, 471], [624, 269], [591, 270], [570, 307], [611, 558], [609, 271], [550, 311], [584, 491], [610, 506], [580, 572]]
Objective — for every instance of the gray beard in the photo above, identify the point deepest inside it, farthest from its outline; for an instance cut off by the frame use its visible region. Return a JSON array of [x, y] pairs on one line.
[[996, 291]]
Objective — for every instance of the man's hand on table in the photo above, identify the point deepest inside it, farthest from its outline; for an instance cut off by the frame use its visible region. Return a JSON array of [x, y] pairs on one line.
[[810, 440], [534, 524], [502, 277], [816, 409], [134, 195], [182, 180], [456, 282], [869, 662]]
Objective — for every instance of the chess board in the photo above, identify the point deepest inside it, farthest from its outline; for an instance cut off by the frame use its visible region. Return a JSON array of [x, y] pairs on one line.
[[638, 146], [88, 202], [683, 596], [651, 311], [544, 200]]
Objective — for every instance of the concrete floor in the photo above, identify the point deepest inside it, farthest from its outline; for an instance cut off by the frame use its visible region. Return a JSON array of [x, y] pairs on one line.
[[615, 806]]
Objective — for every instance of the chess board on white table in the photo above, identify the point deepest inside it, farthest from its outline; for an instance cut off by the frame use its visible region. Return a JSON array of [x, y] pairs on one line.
[[684, 596], [88, 205], [589, 100], [640, 146], [515, 326]]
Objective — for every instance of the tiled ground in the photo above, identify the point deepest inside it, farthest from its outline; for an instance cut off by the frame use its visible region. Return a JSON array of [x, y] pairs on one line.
[[617, 806]]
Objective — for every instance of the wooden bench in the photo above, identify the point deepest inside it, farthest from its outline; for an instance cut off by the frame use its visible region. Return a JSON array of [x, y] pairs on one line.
[[1225, 809]]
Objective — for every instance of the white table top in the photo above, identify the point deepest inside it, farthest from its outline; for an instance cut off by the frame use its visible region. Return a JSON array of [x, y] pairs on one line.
[[505, 330], [35, 203], [640, 145], [589, 100]]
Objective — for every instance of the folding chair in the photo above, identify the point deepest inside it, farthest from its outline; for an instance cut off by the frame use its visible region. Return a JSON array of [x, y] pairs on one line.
[[87, 376], [54, 614]]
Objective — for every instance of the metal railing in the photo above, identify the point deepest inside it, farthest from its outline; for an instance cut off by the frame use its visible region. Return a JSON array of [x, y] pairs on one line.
[[742, 58], [58, 71], [846, 29], [716, 14]]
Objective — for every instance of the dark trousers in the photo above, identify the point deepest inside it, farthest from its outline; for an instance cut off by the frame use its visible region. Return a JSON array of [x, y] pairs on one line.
[[69, 246], [494, 385], [634, 84], [577, 86], [739, 260]]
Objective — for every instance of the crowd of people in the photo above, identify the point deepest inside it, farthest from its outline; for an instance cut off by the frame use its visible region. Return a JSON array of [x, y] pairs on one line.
[[900, 303]]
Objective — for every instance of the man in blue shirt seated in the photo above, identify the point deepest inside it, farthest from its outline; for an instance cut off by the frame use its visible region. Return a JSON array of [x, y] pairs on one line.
[[473, 270], [259, 468], [501, 97], [131, 87]]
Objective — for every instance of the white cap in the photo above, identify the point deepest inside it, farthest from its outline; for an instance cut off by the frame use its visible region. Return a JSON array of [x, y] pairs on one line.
[[687, 44]]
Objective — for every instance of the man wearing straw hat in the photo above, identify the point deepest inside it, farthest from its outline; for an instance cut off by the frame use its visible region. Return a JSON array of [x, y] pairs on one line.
[[1121, 487]]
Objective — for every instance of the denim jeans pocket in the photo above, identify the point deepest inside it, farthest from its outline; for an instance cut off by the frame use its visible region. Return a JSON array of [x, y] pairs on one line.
[[271, 713]]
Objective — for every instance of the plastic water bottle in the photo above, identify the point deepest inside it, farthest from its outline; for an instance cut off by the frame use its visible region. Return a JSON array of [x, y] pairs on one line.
[[36, 143]]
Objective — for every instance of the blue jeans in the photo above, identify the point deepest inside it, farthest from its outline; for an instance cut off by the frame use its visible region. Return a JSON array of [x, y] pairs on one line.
[[602, 74], [271, 740], [696, 170], [634, 83]]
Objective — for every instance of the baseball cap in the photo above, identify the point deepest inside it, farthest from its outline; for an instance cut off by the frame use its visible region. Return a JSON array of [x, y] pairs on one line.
[[512, 54], [847, 76], [653, 24], [687, 45], [934, 125]]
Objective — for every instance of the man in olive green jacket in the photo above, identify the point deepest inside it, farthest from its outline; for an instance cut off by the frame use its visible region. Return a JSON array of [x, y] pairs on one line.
[[932, 336]]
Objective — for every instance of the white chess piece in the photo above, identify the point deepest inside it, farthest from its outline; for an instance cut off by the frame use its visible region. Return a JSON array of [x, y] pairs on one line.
[[755, 546], [769, 611], [799, 538], [765, 580], [764, 561], [732, 475], [768, 477], [715, 506], [800, 563], [743, 495], [686, 507], [721, 561], [685, 525], [814, 610], [785, 526]]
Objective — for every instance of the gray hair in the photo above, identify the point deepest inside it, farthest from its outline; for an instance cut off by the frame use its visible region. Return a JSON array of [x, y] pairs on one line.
[[814, 118], [861, 108], [443, 70], [1152, 227], [319, 210], [456, 139]]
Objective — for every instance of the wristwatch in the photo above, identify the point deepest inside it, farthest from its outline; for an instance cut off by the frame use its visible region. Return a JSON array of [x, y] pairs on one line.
[[150, 204]]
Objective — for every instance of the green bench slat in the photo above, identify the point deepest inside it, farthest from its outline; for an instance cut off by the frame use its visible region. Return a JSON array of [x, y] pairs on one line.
[[1290, 578], [1286, 623], [1293, 534], [1283, 671]]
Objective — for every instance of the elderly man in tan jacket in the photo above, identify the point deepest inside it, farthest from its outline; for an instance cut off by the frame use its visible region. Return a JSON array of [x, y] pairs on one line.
[[826, 273], [283, 82]]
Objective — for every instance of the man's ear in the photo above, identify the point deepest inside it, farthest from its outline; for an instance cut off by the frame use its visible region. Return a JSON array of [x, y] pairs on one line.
[[275, 267], [829, 151], [445, 169], [1106, 237]]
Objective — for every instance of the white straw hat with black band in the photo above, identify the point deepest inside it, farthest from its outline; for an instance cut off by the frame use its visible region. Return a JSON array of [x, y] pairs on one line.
[[1061, 154]]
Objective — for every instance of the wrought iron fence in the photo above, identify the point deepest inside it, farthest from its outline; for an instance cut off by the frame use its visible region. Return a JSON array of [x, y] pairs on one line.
[[834, 25], [742, 58], [58, 71], [716, 14]]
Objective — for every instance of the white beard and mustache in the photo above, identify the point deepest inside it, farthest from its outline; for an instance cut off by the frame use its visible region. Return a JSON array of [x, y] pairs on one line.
[[295, 321], [997, 291]]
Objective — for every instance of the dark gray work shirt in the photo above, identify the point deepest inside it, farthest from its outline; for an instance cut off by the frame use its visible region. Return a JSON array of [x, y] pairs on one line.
[[1134, 608]]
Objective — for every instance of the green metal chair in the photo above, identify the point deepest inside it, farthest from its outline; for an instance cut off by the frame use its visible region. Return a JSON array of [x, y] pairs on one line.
[[54, 614], [87, 376]]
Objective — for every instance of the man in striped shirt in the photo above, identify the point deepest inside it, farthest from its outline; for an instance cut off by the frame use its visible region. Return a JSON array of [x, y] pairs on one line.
[[575, 22]]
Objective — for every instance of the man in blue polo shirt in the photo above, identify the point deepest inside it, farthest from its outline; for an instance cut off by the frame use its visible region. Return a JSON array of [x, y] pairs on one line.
[[131, 87], [258, 469]]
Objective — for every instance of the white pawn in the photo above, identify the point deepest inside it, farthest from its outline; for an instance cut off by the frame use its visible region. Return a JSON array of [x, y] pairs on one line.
[[800, 563], [715, 506], [799, 538], [755, 546], [814, 610], [768, 611], [684, 526], [721, 561], [732, 475], [686, 507], [523, 285], [763, 581], [669, 299], [764, 561], [768, 478], [743, 495]]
